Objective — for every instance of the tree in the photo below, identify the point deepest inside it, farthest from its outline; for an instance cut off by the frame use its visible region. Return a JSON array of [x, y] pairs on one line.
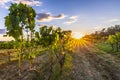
[[57, 42], [117, 35], [112, 40], [49, 38], [20, 17]]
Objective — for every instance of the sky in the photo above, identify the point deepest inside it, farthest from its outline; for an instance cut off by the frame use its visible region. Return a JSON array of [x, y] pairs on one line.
[[84, 16]]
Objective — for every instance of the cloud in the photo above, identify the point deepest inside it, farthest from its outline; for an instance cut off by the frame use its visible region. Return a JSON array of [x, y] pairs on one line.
[[71, 20], [46, 17], [2, 31], [113, 20], [60, 16], [3, 3], [97, 28], [41, 25], [28, 2]]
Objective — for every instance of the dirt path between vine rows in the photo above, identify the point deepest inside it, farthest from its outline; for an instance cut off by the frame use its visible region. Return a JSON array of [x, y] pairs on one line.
[[9, 71], [90, 65]]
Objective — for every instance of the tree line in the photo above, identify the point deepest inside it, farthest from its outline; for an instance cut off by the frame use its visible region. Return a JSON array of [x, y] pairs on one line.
[[7, 45], [110, 35]]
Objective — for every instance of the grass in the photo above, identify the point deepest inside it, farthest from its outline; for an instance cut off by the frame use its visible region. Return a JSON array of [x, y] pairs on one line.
[[104, 46], [4, 55], [107, 48]]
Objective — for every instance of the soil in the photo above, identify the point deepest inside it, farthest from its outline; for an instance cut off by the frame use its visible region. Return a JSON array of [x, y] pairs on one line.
[[88, 64]]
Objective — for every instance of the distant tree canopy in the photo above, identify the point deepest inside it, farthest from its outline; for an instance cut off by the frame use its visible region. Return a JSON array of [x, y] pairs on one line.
[[7, 45], [110, 35], [104, 33], [114, 40]]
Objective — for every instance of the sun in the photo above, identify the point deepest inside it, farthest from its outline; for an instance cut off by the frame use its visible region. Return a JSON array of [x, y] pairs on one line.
[[77, 35]]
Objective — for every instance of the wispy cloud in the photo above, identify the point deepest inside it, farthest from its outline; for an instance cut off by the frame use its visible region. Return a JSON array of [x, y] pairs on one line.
[[41, 25], [28, 2], [46, 17], [112, 20], [3, 3], [71, 20], [2, 31], [97, 28]]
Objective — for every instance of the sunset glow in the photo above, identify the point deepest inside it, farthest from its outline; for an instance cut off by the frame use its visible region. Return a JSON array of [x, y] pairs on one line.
[[77, 35]]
